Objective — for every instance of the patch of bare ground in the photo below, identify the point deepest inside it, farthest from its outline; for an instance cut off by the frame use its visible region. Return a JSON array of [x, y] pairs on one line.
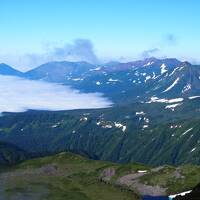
[[132, 182]]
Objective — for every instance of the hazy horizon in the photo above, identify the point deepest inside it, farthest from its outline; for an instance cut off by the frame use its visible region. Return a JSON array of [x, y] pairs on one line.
[[100, 63], [95, 32]]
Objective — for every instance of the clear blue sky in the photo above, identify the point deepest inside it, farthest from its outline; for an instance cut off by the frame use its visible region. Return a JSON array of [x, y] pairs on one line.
[[116, 27]]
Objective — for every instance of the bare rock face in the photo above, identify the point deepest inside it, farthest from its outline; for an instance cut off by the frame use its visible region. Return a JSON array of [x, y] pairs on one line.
[[177, 174], [132, 181], [107, 174], [49, 169]]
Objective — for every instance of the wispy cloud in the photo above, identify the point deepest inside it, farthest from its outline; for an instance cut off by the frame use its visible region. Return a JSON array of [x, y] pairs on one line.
[[19, 95], [78, 50], [81, 49], [168, 40], [150, 52]]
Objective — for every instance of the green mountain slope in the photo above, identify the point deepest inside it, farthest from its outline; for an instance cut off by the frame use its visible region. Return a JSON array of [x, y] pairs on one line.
[[143, 132], [63, 176], [10, 154]]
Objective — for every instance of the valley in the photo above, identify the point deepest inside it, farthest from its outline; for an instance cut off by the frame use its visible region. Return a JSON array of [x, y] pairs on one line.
[[99, 100], [141, 132], [153, 120]]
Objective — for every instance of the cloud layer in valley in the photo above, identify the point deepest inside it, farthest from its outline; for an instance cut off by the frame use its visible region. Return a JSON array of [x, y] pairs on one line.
[[18, 95]]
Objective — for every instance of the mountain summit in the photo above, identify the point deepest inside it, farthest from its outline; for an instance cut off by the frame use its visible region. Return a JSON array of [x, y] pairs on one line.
[[8, 70]]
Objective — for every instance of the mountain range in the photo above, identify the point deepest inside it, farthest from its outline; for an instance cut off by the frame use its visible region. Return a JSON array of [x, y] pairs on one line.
[[121, 82], [154, 118]]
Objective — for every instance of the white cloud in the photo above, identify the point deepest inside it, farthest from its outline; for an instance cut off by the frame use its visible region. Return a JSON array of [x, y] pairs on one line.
[[18, 95], [78, 50]]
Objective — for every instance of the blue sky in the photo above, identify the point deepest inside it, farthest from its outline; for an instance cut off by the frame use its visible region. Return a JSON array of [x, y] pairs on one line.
[[116, 28]]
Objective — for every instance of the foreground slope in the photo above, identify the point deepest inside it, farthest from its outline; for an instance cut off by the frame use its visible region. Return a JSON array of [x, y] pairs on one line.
[[63, 176], [69, 176]]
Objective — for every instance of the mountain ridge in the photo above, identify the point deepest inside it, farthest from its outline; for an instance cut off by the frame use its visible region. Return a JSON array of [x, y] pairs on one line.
[[124, 83], [111, 63], [8, 70]]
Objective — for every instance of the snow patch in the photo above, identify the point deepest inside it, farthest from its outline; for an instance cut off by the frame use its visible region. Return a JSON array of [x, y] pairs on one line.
[[172, 106], [186, 88], [55, 125], [107, 126], [142, 171], [77, 79], [84, 119], [193, 97], [175, 126], [147, 78], [163, 68], [193, 149], [186, 131], [149, 63], [156, 99], [140, 113], [98, 123], [154, 75], [175, 100], [113, 80], [96, 69], [171, 86], [145, 126], [180, 194], [146, 120], [174, 71], [98, 83], [119, 125]]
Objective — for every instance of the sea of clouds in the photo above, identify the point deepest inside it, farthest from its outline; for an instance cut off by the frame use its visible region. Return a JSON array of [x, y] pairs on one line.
[[18, 95]]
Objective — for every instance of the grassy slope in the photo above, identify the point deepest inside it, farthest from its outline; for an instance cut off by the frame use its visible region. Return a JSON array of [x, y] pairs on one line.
[[156, 145], [63, 176], [69, 176], [176, 180]]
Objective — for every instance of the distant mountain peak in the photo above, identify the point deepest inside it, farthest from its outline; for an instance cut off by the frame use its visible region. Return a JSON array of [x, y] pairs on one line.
[[4, 65], [186, 63], [150, 59], [8, 70]]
